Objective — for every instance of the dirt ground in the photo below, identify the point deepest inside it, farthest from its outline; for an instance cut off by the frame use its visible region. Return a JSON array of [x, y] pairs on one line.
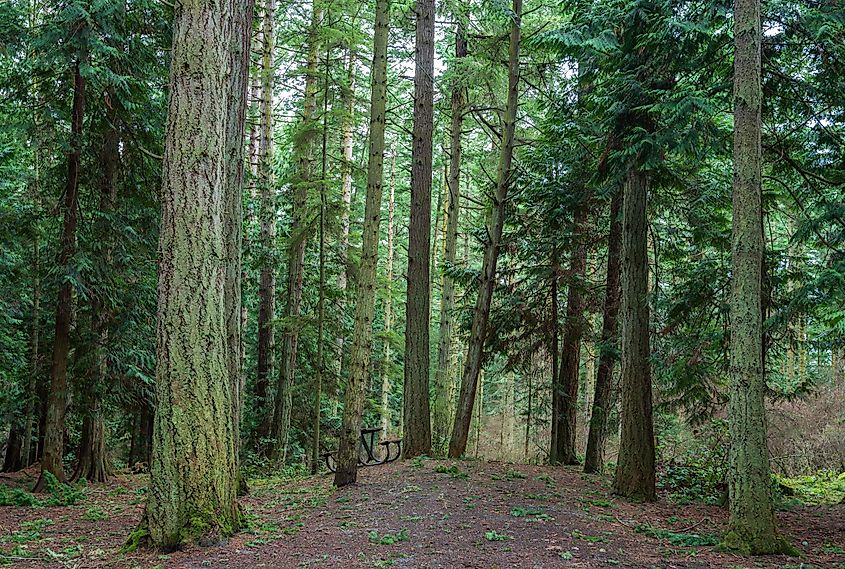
[[471, 514]]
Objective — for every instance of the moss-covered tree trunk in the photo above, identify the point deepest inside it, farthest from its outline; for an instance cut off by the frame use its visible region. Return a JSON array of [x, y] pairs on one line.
[[362, 335], [417, 418], [751, 527], [305, 143], [54, 430], [481, 314], [594, 455], [194, 468], [442, 378], [267, 217], [563, 449], [635, 476]]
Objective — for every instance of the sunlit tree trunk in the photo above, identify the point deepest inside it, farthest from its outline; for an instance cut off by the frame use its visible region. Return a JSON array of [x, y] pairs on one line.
[[635, 476], [478, 331], [594, 455], [751, 526], [442, 379], [362, 336], [387, 364]]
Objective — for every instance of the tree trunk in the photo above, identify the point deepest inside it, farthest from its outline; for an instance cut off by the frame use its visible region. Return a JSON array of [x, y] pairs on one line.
[[563, 450], [478, 331], [13, 462], [386, 383], [594, 455], [442, 379], [751, 527], [142, 435], [635, 476], [362, 335], [57, 400], [93, 464], [267, 215], [418, 307], [194, 467], [299, 238]]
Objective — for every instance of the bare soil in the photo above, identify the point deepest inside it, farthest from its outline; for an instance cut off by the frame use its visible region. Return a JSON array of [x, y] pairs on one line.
[[475, 514]]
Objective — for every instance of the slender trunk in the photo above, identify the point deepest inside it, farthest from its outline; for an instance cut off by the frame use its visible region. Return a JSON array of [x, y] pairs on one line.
[[54, 433], [442, 378], [751, 526], [635, 476], [299, 238], [13, 461], [31, 394], [563, 450], [594, 456], [418, 307], [267, 215], [386, 368], [478, 331], [362, 335], [194, 466]]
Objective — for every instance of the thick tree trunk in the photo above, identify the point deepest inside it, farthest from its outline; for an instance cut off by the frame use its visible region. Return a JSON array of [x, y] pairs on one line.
[[751, 527], [93, 463], [418, 307], [563, 449], [13, 462], [57, 400], [481, 314], [594, 455], [362, 336], [194, 467], [267, 215], [299, 238], [442, 378], [635, 476]]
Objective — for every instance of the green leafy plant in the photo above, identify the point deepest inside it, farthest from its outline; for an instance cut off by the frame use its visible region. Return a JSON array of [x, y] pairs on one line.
[[493, 535], [452, 471], [388, 538], [678, 539]]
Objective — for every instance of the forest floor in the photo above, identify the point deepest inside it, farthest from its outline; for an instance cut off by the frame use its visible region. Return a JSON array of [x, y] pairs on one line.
[[421, 514]]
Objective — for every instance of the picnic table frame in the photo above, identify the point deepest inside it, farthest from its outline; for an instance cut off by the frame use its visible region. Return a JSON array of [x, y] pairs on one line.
[[367, 450]]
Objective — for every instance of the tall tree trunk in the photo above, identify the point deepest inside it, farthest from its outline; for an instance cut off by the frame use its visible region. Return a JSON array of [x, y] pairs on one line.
[[142, 435], [751, 526], [442, 378], [57, 400], [563, 450], [635, 476], [299, 238], [481, 314], [30, 419], [362, 335], [13, 461], [194, 467], [417, 417], [386, 368], [267, 215], [594, 455], [93, 464]]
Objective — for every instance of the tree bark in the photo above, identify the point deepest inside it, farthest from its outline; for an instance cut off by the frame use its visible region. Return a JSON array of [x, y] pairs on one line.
[[267, 215], [481, 314], [299, 238], [362, 336], [751, 526], [594, 455], [194, 467], [442, 380], [563, 449], [635, 475], [58, 395], [418, 306], [386, 368]]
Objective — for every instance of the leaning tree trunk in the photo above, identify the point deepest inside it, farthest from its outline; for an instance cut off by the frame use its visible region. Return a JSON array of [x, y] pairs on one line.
[[54, 431], [594, 455], [299, 238], [442, 383], [194, 467], [362, 336], [563, 449], [267, 215], [751, 526], [635, 476], [417, 428], [481, 314]]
